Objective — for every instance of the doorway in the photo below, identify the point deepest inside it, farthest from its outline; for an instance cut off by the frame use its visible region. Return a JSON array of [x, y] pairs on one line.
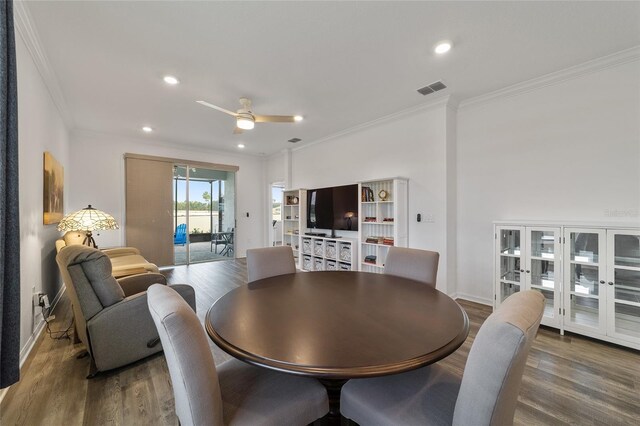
[[203, 214], [275, 216]]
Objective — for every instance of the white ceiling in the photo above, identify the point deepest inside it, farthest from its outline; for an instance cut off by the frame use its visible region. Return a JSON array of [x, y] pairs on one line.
[[339, 64]]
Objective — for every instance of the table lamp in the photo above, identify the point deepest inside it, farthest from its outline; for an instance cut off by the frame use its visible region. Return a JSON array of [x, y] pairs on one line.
[[88, 220]]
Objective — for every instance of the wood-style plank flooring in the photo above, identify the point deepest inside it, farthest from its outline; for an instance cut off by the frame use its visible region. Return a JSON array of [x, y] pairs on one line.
[[568, 379]]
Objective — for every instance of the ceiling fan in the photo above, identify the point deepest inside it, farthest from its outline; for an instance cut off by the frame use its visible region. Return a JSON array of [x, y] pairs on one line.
[[246, 119]]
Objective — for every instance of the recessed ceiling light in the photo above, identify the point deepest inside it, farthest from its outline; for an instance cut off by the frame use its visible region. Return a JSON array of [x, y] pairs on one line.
[[298, 118], [147, 129], [442, 47], [240, 145], [169, 79]]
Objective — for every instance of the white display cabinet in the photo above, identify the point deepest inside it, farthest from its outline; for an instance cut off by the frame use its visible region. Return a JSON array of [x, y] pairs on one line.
[[383, 220], [328, 254], [529, 257], [294, 213], [589, 275]]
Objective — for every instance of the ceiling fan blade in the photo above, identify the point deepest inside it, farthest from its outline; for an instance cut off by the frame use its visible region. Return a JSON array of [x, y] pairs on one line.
[[237, 131], [226, 111], [274, 118]]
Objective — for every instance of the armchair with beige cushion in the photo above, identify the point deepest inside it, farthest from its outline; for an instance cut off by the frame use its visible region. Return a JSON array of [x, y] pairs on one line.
[[111, 316], [124, 260]]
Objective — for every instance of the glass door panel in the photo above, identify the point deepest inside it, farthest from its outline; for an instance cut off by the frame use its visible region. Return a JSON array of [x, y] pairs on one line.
[[204, 214], [542, 274], [543, 244], [624, 284], [583, 280], [541, 263], [180, 217], [584, 247], [584, 276], [583, 311], [627, 250], [510, 242], [510, 269], [627, 320], [507, 290], [509, 265]]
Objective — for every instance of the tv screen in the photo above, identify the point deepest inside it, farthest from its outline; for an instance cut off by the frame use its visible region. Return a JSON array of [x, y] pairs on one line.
[[333, 208]]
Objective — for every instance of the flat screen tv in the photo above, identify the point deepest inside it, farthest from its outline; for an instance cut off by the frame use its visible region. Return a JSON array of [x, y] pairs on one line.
[[333, 208]]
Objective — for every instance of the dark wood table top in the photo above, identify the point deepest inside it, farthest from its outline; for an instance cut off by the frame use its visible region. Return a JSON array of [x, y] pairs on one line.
[[338, 324]]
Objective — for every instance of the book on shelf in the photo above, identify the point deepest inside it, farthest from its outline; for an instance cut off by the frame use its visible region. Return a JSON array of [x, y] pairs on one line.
[[387, 219], [367, 194], [387, 241], [373, 240], [370, 219], [370, 259]]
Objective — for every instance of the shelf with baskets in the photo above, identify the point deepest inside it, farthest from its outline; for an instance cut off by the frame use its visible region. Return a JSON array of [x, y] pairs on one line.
[[328, 254], [294, 213], [383, 216]]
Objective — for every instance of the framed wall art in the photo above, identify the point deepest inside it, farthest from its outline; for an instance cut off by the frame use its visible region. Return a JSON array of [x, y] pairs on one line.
[[53, 192]]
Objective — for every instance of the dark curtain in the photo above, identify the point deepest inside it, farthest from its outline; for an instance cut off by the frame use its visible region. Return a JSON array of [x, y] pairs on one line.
[[9, 213]]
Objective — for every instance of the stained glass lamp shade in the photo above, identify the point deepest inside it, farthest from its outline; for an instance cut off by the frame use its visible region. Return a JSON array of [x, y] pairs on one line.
[[88, 220]]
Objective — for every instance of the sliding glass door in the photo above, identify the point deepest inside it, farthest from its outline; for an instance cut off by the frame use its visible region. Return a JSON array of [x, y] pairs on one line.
[[204, 214]]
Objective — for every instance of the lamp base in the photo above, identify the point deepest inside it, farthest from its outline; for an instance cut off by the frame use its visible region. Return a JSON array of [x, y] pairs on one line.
[[89, 241]]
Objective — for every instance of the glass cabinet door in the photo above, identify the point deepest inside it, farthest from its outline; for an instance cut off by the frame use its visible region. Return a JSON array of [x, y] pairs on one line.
[[509, 265], [623, 289], [542, 269], [584, 277]]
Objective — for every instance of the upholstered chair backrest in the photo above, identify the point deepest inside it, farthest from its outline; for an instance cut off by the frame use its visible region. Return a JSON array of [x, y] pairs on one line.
[[191, 365], [269, 262], [496, 362], [86, 273], [415, 264]]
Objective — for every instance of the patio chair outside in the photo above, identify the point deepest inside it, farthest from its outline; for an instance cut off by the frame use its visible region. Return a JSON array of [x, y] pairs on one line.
[[180, 237]]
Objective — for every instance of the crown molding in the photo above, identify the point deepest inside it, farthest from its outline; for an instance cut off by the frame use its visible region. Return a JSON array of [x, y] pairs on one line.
[[26, 29], [442, 101], [610, 61]]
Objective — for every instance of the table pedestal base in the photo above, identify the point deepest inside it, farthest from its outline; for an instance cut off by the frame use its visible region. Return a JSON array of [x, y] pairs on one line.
[[334, 388]]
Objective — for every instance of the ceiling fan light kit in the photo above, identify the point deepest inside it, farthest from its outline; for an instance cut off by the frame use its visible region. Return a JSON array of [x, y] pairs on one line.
[[246, 119], [245, 122]]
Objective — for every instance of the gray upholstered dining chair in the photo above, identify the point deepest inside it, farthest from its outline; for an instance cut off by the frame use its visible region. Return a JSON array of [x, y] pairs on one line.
[[415, 264], [269, 262], [233, 393], [487, 393]]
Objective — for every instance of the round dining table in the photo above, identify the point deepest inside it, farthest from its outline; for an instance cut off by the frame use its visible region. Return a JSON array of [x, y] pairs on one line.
[[337, 325]]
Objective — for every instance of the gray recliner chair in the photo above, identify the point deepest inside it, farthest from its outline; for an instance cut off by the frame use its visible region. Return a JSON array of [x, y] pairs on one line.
[[112, 318]]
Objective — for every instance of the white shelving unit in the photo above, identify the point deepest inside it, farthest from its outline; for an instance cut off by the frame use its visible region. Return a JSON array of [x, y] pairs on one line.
[[383, 219], [294, 213], [328, 254], [594, 270]]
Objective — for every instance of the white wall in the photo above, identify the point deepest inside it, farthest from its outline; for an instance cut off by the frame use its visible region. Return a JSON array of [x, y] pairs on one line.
[[411, 145], [41, 128], [98, 159], [570, 151]]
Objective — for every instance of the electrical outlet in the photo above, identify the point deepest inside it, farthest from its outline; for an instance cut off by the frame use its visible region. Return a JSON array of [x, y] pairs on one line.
[[36, 297], [44, 301]]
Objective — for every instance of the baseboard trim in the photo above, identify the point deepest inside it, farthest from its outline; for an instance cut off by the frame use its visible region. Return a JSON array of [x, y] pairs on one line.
[[28, 347], [471, 298], [26, 350]]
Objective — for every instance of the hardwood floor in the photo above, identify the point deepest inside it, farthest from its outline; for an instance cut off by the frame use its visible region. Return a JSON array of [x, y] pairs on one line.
[[568, 379]]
